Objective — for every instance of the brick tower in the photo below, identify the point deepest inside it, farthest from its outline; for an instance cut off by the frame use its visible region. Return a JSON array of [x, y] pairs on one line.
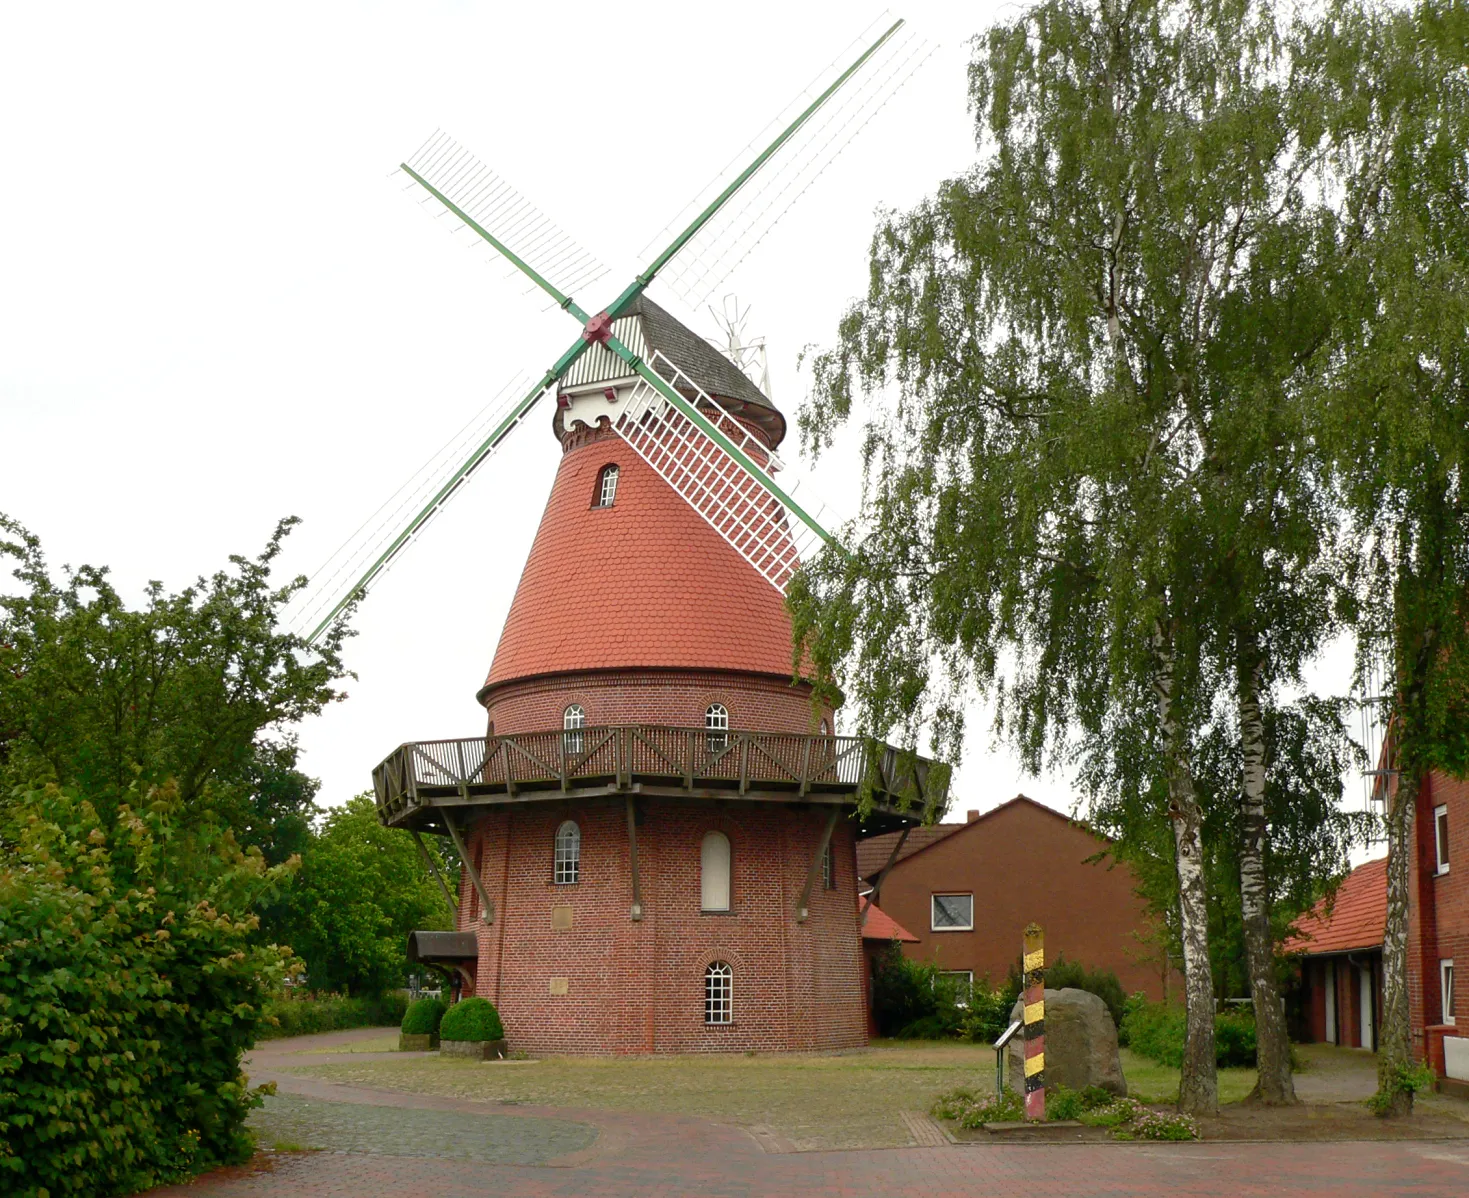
[[659, 825]]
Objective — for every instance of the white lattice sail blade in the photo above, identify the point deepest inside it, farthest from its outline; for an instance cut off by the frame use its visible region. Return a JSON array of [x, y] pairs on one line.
[[712, 255], [501, 210], [736, 502], [365, 556]]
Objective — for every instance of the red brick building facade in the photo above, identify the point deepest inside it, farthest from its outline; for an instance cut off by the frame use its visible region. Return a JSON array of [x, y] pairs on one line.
[[1019, 863], [1438, 925]]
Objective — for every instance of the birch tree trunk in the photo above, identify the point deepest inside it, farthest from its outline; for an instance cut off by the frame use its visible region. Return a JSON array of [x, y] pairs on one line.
[[1198, 1089], [1275, 1085], [1394, 1051]]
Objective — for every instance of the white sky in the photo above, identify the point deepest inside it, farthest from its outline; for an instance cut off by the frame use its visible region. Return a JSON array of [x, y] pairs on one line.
[[216, 309]]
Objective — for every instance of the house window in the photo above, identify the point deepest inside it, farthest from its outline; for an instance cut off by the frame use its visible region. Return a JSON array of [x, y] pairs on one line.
[[714, 872], [963, 982], [1446, 989], [828, 869], [574, 719], [1441, 837], [953, 913], [568, 853], [606, 487], [716, 725], [825, 728], [719, 993]]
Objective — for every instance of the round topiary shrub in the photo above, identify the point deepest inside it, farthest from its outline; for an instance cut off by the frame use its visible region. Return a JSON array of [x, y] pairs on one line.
[[422, 1017], [472, 1019]]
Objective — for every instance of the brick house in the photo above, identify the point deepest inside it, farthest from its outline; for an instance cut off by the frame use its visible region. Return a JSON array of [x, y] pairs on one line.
[[1340, 947], [657, 822], [1438, 926], [966, 891]]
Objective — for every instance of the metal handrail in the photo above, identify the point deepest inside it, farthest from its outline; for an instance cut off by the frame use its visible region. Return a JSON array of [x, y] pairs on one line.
[[616, 756]]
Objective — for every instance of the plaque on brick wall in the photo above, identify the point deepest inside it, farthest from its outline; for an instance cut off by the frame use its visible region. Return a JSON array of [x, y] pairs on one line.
[[559, 986], [560, 918]]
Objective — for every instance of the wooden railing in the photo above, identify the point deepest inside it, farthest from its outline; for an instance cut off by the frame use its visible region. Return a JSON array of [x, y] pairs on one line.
[[621, 757]]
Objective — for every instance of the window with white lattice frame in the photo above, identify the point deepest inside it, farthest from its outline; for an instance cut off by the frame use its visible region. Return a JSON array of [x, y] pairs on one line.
[[1441, 837], [573, 719], [718, 993], [828, 869], [568, 854], [606, 486], [716, 727], [1446, 989], [952, 913]]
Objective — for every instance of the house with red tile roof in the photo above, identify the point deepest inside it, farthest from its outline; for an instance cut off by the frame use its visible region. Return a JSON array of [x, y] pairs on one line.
[[879, 930], [1339, 942]]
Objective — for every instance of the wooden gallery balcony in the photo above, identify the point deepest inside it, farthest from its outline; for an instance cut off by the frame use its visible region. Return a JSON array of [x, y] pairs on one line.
[[418, 785]]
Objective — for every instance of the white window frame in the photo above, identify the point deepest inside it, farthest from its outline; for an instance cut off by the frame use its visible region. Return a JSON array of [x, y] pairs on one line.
[[967, 975], [566, 868], [933, 908], [1446, 991], [828, 869], [573, 720], [706, 883], [607, 485], [718, 994], [716, 727], [1441, 838]]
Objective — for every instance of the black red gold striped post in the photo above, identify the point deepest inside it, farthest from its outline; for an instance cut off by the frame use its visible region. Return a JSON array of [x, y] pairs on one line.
[[1035, 1023]]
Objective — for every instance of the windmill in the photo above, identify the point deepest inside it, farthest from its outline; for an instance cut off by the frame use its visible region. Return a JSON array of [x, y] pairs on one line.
[[698, 444]]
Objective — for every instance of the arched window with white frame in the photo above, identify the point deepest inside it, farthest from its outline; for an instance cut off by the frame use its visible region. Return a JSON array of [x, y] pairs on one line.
[[568, 854], [716, 727], [714, 872], [606, 494], [573, 719], [718, 993]]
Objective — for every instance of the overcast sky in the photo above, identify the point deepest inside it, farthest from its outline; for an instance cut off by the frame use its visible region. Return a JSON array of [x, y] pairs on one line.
[[217, 309]]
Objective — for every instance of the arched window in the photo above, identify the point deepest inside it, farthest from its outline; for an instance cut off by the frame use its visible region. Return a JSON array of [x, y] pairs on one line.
[[606, 487], [568, 853], [716, 724], [573, 719], [714, 872], [828, 869], [719, 993], [825, 727]]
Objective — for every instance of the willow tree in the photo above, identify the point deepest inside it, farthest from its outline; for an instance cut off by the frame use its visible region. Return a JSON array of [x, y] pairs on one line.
[[1398, 421], [1077, 357]]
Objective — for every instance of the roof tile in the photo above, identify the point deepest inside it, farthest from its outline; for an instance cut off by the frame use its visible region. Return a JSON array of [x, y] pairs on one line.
[[1355, 919]]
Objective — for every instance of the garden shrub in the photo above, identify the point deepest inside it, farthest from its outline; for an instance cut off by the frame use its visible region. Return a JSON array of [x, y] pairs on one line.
[[1064, 974], [129, 988], [930, 1027], [331, 1013], [472, 1019], [1156, 1031], [422, 1018], [904, 992], [1130, 1120], [1062, 1102], [988, 1012], [972, 1111]]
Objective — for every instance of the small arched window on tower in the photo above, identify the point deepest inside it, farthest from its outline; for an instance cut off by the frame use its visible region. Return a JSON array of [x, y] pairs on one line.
[[716, 727], [568, 854], [825, 727], [606, 486], [714, 872], [574, 719], [718, 993]]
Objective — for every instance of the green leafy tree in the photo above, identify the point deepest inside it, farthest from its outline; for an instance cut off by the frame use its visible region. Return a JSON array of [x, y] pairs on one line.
[[1097, 491], [1398, 422], [362, 889], [199, 686]]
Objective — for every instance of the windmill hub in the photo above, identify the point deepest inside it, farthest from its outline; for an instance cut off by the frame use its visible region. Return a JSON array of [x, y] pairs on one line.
[[598, 329]]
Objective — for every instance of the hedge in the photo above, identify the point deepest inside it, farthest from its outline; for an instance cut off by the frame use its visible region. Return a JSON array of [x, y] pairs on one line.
[[129, 988], [423, 1017], [1156, 1031], [472, 1019], [331, 1013]]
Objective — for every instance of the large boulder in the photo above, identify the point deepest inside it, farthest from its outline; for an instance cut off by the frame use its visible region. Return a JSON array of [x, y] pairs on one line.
[[1081, 1044]]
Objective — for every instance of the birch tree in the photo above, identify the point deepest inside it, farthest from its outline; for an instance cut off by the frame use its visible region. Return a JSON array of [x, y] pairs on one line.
[[1064, 506]]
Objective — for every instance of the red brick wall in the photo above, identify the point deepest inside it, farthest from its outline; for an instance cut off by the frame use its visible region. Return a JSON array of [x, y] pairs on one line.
[[1438, 913], [639, 986], [1025, 863], [756, 702]]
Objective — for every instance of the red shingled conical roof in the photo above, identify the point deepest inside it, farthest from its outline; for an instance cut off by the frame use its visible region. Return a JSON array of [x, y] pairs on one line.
[[645, 583]]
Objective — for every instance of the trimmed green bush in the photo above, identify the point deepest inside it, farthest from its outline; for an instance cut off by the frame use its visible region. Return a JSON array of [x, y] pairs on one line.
[[130, 985], [988, 1012], [1156, 1031], [908, 992], [472, 1019], [331, 1013], [1064, 974], [422, 1017]]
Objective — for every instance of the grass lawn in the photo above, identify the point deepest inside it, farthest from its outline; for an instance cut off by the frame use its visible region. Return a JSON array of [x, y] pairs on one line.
[[834, 1100], [1153, 1083]]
